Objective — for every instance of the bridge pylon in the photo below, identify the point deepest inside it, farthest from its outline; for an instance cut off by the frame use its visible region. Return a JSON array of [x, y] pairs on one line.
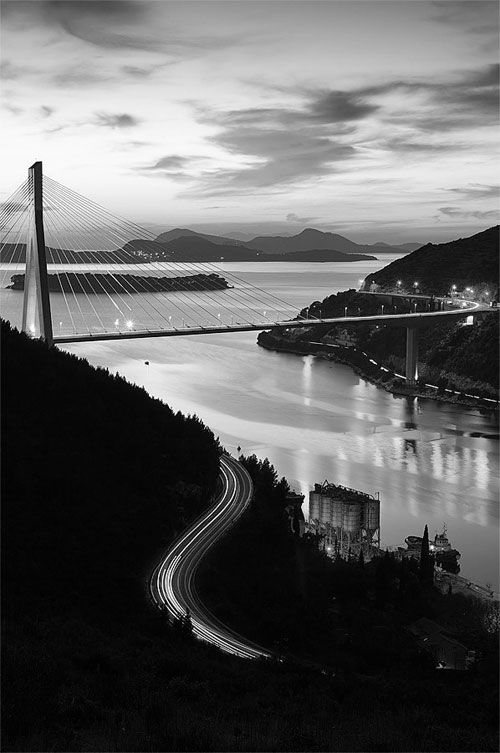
[[411, 356], [37, 319]]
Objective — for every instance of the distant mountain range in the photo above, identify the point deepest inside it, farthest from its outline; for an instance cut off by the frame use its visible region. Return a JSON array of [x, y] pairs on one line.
[[466, 262], [185, 245], [307, 240], [196, 247]]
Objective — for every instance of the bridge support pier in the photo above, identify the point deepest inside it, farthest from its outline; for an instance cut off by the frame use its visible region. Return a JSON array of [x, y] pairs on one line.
[[37, 320], [411, 355]]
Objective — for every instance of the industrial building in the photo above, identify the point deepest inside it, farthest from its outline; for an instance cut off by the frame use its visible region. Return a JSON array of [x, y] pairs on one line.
[[346, 521]]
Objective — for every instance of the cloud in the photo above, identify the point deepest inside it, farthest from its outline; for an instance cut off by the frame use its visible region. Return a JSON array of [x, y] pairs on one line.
[[277, 157], [172, 166], [79, 77], [404, 146], [477, 191], [13, 109], [46, 111], [111, 120], [142, 71], [10, 72], [340, 106], [292, 217], [284, 145], [142, 25], [102, 23], [170, 162], [456, 212], [469, 15]]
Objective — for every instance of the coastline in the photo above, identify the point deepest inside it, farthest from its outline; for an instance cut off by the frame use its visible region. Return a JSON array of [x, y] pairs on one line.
[[339, 354]]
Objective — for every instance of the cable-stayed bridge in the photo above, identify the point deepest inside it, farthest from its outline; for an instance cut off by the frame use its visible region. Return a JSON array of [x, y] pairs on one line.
[[88, 275]]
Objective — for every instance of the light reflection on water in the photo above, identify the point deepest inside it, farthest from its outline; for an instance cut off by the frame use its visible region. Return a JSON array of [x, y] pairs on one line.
[[317, 420]]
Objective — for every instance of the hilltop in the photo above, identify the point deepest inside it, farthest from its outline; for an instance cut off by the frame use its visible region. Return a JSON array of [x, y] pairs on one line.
[[310, 238], [219, 240], [436, 267]]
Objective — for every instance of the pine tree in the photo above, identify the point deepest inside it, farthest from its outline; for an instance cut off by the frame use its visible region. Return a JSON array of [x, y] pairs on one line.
[[426, 562]]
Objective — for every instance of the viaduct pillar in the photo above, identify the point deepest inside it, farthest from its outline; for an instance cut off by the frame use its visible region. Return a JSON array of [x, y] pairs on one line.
[[37, 320], [411, 355]]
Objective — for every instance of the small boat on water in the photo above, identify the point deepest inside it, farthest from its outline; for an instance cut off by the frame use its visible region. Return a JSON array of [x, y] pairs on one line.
[[444, 554]]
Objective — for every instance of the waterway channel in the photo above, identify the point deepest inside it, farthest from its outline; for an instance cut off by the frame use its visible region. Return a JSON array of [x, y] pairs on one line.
[[316, 420]]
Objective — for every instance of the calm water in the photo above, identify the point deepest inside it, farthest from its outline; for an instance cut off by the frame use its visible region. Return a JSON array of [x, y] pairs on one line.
[[315, 420]]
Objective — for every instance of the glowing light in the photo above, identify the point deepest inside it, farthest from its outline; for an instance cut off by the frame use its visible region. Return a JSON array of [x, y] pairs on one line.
[[415, 284], [399, 283], [453, 287], [130, 324]]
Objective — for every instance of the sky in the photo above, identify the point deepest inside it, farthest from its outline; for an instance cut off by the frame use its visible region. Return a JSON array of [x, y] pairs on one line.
[[376, 120]]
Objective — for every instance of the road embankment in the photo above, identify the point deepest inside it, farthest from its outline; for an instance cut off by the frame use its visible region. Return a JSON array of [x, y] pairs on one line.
[[371, 371]]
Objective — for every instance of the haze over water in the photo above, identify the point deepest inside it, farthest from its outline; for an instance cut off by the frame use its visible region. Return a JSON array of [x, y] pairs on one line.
[[431, 462]]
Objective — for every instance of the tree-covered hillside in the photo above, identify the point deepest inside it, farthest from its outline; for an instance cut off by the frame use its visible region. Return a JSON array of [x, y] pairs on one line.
[[436, 267], [97, 477], [465, 357]]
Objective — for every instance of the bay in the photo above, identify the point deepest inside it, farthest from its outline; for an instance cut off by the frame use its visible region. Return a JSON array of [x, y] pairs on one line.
[[315, 420]]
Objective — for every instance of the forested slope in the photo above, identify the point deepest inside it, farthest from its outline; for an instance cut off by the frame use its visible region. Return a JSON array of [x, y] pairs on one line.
[[97, 477], [436, 267]]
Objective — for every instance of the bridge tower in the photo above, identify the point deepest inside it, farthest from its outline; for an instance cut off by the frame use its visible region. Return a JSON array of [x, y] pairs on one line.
[[37, 319], [411, 355]]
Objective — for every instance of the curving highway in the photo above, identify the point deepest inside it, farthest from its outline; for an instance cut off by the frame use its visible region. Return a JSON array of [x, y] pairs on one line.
[[172, 583]]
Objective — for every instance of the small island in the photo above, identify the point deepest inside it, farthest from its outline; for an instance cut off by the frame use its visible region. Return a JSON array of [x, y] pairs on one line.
[[89, 282]]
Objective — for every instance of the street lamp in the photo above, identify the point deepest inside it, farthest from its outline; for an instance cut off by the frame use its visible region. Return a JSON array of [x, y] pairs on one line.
[[415, 285], [345, 310], [382, 309], [399, 283]]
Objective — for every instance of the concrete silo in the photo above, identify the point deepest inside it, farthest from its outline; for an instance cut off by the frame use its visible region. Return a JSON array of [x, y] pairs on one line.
[[349, 520]]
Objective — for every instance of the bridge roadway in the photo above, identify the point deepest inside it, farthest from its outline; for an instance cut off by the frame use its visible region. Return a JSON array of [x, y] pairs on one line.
[[172, 583], [410, 321]]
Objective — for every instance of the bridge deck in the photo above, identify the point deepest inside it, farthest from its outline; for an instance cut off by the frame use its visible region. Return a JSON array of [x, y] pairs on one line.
[[402, 320]]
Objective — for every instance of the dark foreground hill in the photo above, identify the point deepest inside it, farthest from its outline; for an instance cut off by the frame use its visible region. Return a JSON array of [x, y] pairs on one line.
[[97, 478], [465, 262]]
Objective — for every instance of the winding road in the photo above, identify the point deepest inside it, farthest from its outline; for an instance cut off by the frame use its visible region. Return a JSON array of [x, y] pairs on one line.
[[172, 584]]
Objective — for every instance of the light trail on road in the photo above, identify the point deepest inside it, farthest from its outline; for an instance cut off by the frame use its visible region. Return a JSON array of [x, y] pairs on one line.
[[172, 584]]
